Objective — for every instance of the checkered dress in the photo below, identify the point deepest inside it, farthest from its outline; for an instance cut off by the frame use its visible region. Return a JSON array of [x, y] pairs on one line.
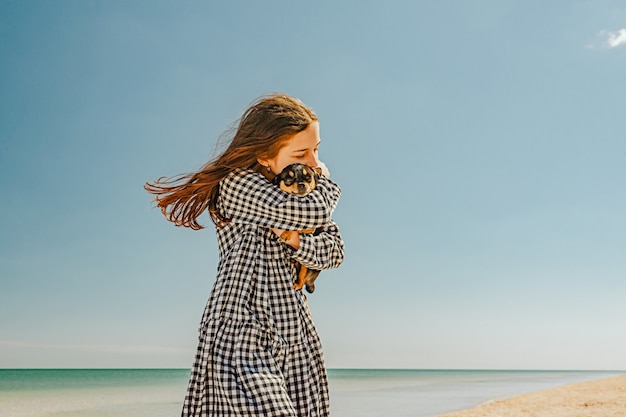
[[259, 353]]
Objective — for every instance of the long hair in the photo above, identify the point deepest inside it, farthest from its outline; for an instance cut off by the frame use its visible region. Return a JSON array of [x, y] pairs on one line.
[[262, 131]]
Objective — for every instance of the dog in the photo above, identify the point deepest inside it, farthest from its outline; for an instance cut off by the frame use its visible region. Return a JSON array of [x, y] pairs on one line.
[[300, 180]]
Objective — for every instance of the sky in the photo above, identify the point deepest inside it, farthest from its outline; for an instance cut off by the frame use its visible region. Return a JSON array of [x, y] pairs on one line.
[[480, 147]]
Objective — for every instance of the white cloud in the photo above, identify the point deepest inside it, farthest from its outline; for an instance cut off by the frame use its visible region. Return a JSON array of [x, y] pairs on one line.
[[607, 39], [615, 39]]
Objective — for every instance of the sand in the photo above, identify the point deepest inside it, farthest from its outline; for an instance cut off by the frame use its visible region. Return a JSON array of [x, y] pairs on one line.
[[601, 398]]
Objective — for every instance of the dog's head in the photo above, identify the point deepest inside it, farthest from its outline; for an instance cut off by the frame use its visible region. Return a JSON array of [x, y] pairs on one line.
[[298, 179]]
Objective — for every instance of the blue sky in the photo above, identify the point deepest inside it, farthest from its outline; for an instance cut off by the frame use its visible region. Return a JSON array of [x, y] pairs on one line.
[[480, 146]]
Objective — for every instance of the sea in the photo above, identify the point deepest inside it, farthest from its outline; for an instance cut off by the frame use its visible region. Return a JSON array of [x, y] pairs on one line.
[[354, 392]]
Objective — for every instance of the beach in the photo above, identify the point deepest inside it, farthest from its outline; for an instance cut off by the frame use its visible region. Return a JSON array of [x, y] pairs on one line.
[[600, 398], [354, 392]]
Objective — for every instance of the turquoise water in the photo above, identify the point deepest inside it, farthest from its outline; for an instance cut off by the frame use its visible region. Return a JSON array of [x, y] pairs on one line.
[[92, 392], [354, 392]]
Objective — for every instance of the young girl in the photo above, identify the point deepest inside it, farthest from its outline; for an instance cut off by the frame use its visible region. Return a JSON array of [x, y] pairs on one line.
[[259, 353]]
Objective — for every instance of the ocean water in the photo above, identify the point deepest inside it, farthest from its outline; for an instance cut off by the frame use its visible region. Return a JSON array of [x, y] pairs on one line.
[[354, 392]]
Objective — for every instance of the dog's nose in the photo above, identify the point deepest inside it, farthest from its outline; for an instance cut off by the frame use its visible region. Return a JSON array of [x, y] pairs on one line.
[[301, 186]]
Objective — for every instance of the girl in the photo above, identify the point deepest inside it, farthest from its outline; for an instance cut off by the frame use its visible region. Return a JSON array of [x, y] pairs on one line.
[[259, 353]]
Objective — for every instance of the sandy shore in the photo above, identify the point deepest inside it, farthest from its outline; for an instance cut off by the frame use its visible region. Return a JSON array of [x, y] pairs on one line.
[[601, 398]]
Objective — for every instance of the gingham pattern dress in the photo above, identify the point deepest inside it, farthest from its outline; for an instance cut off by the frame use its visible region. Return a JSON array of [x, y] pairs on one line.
[[259, 353]]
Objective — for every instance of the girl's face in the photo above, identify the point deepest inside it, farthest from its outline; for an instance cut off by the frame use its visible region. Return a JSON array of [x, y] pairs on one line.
[[300, 149]]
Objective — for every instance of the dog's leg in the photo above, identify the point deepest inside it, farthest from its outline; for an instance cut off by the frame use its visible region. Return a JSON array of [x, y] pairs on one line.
[[309, 279], [306, 277], [300, 281]]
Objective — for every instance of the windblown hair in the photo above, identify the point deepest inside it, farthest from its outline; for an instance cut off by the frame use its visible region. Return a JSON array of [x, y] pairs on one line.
[[262, 131]]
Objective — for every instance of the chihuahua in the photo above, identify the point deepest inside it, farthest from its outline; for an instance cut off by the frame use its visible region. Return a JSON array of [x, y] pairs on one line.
[[300, 180]]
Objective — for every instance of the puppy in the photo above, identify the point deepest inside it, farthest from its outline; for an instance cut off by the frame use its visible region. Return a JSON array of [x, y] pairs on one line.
[[300, 180]]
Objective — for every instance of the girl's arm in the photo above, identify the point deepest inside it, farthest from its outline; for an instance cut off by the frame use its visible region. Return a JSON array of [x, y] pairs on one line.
[[321, 251], [247, 197]]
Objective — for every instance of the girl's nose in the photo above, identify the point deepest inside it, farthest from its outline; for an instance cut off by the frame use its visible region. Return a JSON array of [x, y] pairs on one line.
[[312, 160]]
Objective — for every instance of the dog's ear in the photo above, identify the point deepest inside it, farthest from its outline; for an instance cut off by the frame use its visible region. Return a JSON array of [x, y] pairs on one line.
[[318, 171]]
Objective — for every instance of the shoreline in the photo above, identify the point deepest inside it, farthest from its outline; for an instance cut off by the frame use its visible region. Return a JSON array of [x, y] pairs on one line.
[[604, 397], [360, 392]]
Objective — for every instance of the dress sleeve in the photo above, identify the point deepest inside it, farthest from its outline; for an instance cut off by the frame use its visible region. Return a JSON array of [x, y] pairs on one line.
[[323, 250], [247, 197]]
